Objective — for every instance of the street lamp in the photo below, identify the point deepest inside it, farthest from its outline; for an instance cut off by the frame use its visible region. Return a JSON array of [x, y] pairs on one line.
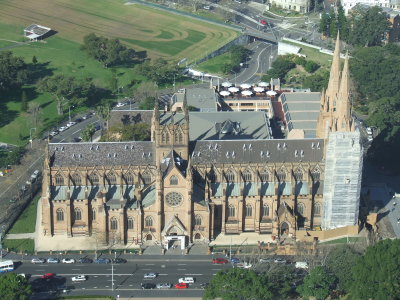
[[69, 112], [30, 135]]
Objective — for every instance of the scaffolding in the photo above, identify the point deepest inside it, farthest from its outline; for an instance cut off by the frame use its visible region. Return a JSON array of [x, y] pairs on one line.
[[342, 184]]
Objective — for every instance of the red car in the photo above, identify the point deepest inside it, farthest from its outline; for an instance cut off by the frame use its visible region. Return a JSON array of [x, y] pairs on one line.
[[219, 261], [48, 276], [263, 22], [181, 285]]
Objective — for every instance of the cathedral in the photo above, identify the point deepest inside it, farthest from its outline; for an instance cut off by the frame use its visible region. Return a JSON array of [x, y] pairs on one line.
[[190, 185]]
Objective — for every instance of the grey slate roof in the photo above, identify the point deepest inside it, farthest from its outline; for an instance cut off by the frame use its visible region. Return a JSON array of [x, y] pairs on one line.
[[169, 118], [101, 154], [210, 126], [256, 151], [301, 111], [202, 98]]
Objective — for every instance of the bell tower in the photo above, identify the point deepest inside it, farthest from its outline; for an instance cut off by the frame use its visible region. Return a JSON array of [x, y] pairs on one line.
[[335, 110]]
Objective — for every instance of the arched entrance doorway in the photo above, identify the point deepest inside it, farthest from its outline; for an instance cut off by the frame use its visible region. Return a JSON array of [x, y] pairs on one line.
[[149, 237], [197, 236], [284, 228]]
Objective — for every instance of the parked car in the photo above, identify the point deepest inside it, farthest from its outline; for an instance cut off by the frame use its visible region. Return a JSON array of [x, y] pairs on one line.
[[38, 260], [97, 127], [244, 265], [48, 276], [370, 138], [52, 260], [120, 104], [219, 261], [164, 285], [79, 278], [54, 133], [77, 120], [266, 260], [87, 116], [69, 124], [181, 285], [85, 260], [301, 265], [280, 260], [68, 261], [148, 286], [62, 128], [102, 261], [203, 285], [235, 260], [150, 275], [186, 280], [77, 139], [119, 261], [369, 130]]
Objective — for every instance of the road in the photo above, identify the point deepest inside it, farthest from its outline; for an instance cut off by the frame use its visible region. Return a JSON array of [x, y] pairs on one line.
[[73, 132], [127, 277]]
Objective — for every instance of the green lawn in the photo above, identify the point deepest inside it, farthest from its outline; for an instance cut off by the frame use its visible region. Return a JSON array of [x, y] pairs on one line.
[[215, 64], [24, 245], [27, 220], [323, 59]]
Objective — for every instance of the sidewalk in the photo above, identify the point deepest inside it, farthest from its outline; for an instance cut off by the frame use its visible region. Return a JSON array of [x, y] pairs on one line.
[[19, 236]]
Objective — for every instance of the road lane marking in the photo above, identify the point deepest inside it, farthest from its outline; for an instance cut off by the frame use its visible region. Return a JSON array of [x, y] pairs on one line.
[[181, 264], [193, 274], [149, 264]]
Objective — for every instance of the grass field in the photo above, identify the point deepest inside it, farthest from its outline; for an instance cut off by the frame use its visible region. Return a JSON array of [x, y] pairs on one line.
[[215, 64], [24, 245], [27, 220], [158, 33]]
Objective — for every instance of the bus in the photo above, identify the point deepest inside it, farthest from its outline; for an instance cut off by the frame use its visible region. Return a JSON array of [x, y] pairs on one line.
[[6, 266]]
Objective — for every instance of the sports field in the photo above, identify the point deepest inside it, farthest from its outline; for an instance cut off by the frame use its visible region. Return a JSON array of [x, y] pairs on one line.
[[159, 33]]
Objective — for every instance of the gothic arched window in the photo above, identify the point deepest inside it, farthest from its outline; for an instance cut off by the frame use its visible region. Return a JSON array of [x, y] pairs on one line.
[[60, 215], [113, 223], [148, 221], [264, 176], [173, 180], [231, 211], [265, 212], [76, 179], [230, 176], [300, 208], [247, 176], [249, 210], [130, 223], [298, 175], [129, 178], [317, 209], [178, 137], [77, 214], [315, 175], [165, 137], [59, 179], [94, 179], [281, 175], [197, 220], [112, 179], [146, 176]]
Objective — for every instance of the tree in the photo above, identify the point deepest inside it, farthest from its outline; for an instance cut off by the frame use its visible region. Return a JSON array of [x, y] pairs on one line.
[[282, 279], [238, 284], [13, 71], [343, 25], [333, 25], [35, 114], [311, 66], [24, 101], [317, 82], [146, 89], [34, 60], [340, 262], [147, 103], [66, 89], [319, 284], [281, 66], [324, 24], [14, 287], [369, 27], [104, 111], [110, 52], [376, 274], [88, 133], [160, 71]]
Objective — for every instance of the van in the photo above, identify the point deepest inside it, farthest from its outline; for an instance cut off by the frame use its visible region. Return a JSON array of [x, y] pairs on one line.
[[301, 265], [186, 280]]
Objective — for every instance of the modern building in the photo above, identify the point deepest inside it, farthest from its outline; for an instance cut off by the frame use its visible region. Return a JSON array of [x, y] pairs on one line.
[[384, 4], [302, 6], [208, 174], [36, 32]]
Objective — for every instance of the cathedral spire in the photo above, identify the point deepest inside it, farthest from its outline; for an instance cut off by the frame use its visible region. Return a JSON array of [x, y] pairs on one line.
[[334, 77]]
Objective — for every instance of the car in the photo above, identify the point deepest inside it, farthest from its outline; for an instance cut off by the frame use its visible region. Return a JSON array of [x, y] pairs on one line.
[[369, 130], [85, 117], [102, 261], [62, 128], [52, 260], [243, 265], [370, 138], [164, 285], [85, 260], [280, 261], [68, 261], [150, 275], [181, 285], [203, 285], [186, 280], [398, 221], [148, 286], [266, 260], [120, 104], [238, 1], [77, 120], [97, 127], [119, 260], [301, 265], [235, 260], [38, 260], [263, 22], [77, 139], [78, 278], [53, 133], [206, 7], [23, 275], [48, 276], [219, 261], [69, 124]]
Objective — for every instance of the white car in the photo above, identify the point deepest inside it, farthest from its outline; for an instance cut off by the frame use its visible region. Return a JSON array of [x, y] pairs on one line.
[[62, 128], [79, 278], [68, 261], [120, 104], [150, 275], [369, 130], [186, 280], [54, 133], [38, 260], [244, 266], [69, 124], [370, 138]]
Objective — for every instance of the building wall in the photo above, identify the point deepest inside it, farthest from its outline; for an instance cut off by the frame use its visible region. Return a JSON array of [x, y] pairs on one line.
[[302, 6]]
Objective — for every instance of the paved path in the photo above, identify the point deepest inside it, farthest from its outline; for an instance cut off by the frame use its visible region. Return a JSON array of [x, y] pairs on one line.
[[20, 236]]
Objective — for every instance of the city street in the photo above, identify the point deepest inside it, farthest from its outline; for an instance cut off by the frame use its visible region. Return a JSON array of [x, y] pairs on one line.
[[127, 277]]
